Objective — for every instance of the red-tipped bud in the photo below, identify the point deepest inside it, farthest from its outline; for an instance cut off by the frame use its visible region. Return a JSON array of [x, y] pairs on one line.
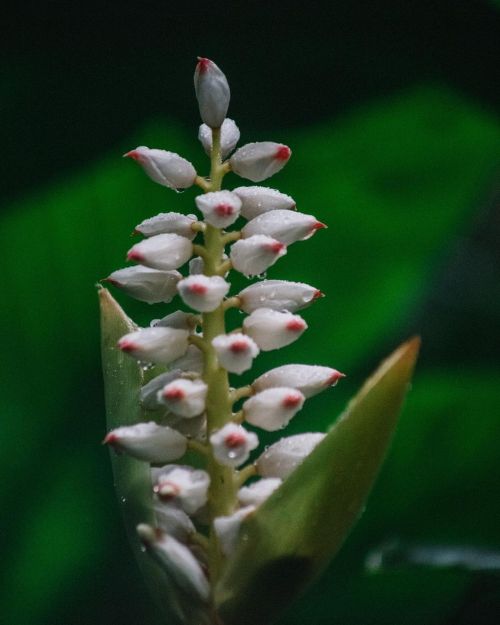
[[272, 329], [256, 254], [308, 379], [185, 398], [235, 351], [277, 295], [273, 408], [232, 444], [165, 168], [203, 293], [220, 208], [284, 225], [145, 284], [258, 161], [212, 92], [163, 251]]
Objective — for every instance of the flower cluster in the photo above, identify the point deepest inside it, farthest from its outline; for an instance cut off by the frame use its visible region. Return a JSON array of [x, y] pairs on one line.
[[199, 509]]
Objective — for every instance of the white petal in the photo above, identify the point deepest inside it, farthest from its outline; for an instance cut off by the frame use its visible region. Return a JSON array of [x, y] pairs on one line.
[[273, 408], [258, 161], [272, 329], [182, 485], [168, 223], [158, 345], [145, 284], [280, 459], [166, 168], [203, 293], [257, 492], [148, 441], [284, 225], [212, 92], [149, 391], [258, 200], [227, 529], [232, 444], [173, 521], [235, 351], [178, 319], [163, 251], [308, 379], [229, 137], [185, 398], [220, 208], [191, 361], [278, 295], [256, 254]]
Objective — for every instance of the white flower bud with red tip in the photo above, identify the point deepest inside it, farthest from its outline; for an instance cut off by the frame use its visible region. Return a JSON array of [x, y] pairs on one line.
[[258, 200], [182, 485], [257, 492], [285, 225], [203, 293], [178, 319], [272, 329], [163, 251], [258, 161], [278, 295], [173, 521], [254, 255], [166, 168], [280, 459], [149, 392], [158, 345], [229, 137], [273, 408], [227, 529], [235, 351], [232, 444], [146, 284], [168, 223], [192, 360], [220, 208], [212, 92], [185, 398], [308, 379], [149, 442], [177, 561]]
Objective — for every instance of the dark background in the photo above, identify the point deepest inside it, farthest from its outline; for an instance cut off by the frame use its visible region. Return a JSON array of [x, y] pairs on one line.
[[391, 109]]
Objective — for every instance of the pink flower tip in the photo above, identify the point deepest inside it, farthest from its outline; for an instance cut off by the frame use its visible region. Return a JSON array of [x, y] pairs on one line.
[[135, 255], [197, 289], [318, 294], [133, 154], [283, 153], [276, 247], [295, 325], [203, 64], [224, 210], [126, 346], [318, 225], [174, 394], [110, 439], [234, 440], [291, 401], [335, 377], [238, 347]]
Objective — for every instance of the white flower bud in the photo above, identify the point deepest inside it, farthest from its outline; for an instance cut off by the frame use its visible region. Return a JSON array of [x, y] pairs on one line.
[[168, 223], [258, 161], [173, 521], [158, 345], [235, 351], [149, 392], [272, 329], [178, 319], [227, 529], [277, 295], [273, 408], [177, 561], [165, 168], [229, 137], [220, 208], [182, 485], [163, 251], [232, 444], [308, 379], [185, 398], [203, 293], [280, 459], [257, 492], [212, 92], [195, 427], [254, 255], [145, 284], [284, 225], [258, 200], [148, 441], [191, 361]]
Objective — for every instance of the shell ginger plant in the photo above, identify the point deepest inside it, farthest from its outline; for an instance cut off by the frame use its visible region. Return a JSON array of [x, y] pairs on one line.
[[223, 536]]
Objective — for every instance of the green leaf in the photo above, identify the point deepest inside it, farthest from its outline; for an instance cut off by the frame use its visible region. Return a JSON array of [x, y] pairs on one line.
[[302, 525]]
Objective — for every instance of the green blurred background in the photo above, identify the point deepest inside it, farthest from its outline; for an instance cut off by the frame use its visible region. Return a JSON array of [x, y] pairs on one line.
[[391, 109]]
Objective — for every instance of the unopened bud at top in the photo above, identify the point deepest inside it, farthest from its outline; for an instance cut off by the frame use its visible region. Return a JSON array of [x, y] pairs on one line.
[[163, 251], [272, 329], [212, 92], [166, 168], [229, 137], [273, 408], [203, 293], [232, 444], [168, 223], [308, 379], [258, 200], [220, 208], [278, 295], [258, 161], [146, 284], [149, 442], [256, 254], [235, 351], [158, 345], [285, 225], [280, 459]]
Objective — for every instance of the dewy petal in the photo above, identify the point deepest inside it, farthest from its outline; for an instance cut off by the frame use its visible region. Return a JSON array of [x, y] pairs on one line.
[[212, 92], [158, 345], [232, 444], [149, 391], [278, 295], [308, 379], [220, 208], [185, 398], [163, 251], [203, 293], [256, 254], [258, 200], [273, 408], [182, 485], [149, 442], [272, 329], [229, 137], [284, 225], [166, 168], [168, 223], [280, 459], [258, 161], [227, 529], [177, 561], [178, 319], [257, 492], [145, 284], [235, 351]]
